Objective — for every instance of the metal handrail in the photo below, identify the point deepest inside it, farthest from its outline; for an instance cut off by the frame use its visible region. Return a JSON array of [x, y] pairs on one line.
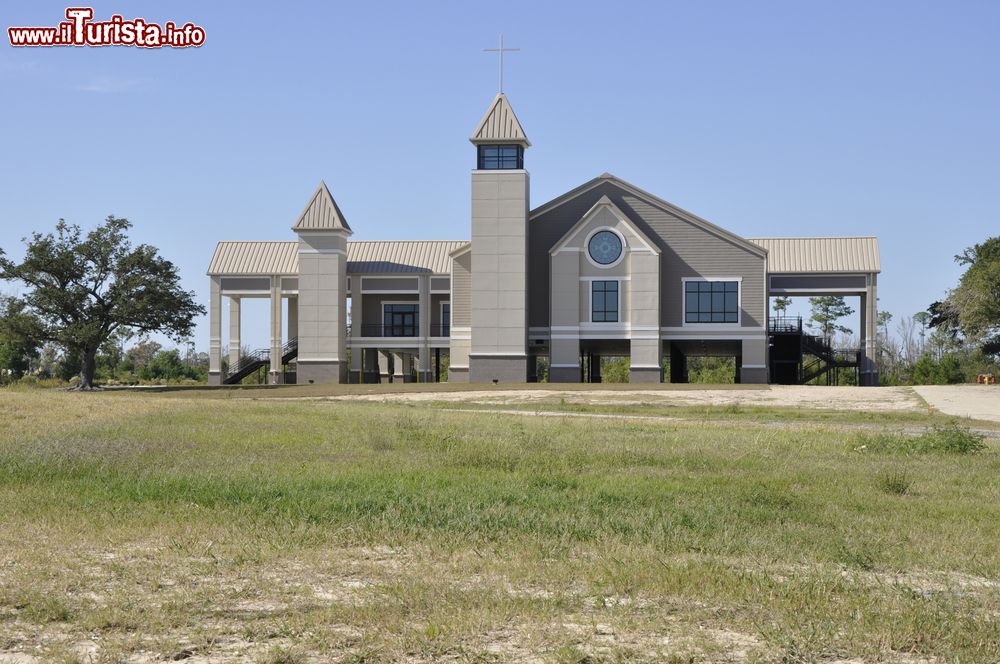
[[785, 324], [379, 330], [261, 356]]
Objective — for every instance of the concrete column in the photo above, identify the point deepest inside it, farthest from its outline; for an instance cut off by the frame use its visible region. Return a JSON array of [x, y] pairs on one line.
[[356, 328], [400, 367], [274, 373], [234, 332], [869, 323], [643, 297], [215, 332], [873, 329], [753, 360], [383, 367], [424, 355]]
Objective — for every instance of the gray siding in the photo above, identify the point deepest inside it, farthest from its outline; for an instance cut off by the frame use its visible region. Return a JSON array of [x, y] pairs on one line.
[[461, 289], [860, 282], [247, 283], [687, 251], [389, 284]]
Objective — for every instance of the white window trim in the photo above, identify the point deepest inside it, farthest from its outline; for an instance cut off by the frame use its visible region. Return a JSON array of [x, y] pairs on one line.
[[739, 302], [590, 304], [621, 256]]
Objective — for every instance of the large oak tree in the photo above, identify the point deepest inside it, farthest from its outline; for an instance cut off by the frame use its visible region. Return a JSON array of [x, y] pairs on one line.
[[82, 288]]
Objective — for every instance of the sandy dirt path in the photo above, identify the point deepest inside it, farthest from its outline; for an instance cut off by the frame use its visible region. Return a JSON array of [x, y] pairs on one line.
[[981, 402], [879, 399]]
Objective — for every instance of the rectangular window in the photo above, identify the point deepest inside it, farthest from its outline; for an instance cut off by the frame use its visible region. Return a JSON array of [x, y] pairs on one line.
[[711, 301], [498, 157], [400, 320], [445, 319], [604, 301]]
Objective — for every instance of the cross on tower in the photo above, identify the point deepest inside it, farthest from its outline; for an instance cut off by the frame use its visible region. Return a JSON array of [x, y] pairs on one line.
[[501, 51]]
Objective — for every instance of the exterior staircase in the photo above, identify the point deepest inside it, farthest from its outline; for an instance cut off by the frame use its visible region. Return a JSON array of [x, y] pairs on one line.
[[824, 359], [799, 358], [250, 363]]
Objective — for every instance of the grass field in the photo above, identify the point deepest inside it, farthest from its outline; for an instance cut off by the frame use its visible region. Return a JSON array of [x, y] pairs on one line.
[[152, 527]]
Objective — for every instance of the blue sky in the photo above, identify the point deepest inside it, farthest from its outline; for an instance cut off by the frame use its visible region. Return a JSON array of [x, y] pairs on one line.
[[767, 118]]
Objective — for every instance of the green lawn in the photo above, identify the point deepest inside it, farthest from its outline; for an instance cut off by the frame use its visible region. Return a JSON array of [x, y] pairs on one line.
[[143, 527]]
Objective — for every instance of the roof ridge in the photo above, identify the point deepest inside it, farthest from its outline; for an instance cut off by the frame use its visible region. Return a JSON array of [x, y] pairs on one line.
[[358, 241], [815, 237]]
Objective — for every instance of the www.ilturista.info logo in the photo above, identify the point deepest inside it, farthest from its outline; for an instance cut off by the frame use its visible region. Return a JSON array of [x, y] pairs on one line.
[[80, 30]]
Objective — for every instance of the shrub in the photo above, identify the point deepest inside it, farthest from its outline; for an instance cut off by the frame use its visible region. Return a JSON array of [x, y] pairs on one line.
[[951, 439]]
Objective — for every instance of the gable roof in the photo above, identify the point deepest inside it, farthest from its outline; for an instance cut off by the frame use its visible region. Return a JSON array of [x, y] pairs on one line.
[[604, 202], [252, 258], [655, 201], [820, 254], [322, 213], [500, 125]]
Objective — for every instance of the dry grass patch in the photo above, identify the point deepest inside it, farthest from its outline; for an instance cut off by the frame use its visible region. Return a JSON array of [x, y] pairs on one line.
[[139, 528]]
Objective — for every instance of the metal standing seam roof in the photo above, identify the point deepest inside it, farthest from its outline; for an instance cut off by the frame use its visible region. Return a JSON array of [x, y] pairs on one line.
[[820, 254], [500, 124], [321, 213], [246, 258], [255, 258]]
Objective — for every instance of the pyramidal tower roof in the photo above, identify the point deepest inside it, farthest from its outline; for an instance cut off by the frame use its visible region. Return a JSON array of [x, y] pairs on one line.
[[500, 125], [322, 213]]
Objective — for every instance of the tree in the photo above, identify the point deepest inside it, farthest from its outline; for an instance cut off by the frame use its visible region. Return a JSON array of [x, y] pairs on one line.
[[975, 303], [167, 365], [84, 288], [882, 320], [781, 304], [19, 338], [140, 355], [826, 311], [922, 319]]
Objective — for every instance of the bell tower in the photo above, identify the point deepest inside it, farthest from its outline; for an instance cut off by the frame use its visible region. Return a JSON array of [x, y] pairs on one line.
[[322, 301], [499, 302]]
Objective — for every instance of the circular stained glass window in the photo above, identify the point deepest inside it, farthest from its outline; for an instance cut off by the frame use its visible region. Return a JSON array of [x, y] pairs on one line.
[[605, 247]]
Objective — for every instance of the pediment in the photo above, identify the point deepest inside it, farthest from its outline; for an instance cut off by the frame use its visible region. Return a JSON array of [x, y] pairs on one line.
[[612, 215]]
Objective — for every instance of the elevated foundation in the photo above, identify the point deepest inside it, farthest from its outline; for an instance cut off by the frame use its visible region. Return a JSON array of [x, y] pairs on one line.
[[644, 375], [500, 369], [325, 371]]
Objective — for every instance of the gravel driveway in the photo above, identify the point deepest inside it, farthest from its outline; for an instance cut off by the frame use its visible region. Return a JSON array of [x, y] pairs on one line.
[[978, 401]]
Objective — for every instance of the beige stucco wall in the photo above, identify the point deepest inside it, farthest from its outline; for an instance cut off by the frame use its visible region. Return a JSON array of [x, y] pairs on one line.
[[499, 282], [322, 307]]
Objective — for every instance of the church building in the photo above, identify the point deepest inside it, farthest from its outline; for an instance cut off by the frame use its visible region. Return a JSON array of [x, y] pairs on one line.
[[604, 270]]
